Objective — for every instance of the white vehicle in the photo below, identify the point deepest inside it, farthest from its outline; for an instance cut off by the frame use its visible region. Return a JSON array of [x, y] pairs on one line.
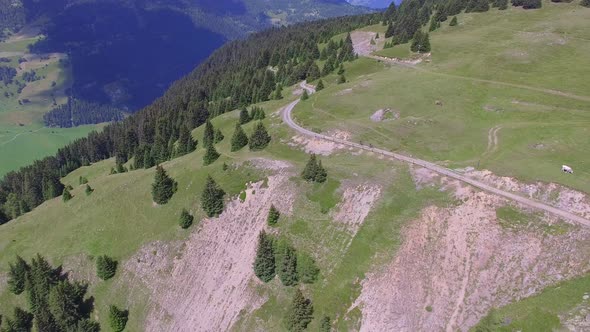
[[567, 169]]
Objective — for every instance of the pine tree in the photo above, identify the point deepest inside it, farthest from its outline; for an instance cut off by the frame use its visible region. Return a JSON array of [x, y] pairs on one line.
[[117, 318], [503, 4], [425, 45], [238, 139], [305, 95], [341, 79], [163, 187], [66, 304], [22, 321], [313, 72], [340, 70], [278, 94], [88, 190], [186, 143], [287, 264], [260, 138], [212, 198], [244, 116], [82, 180], [66, 196], [300, 313], [264, 263], [325, 325], [17, 275], [106, 267], [218, 136], [585, 3], [186, 220], [273, 216], [433, 24], [319, 86], [454, 21], [415, 46], [211, 155], [208, 134], [307, 270], [321, 174], [377, 36], [390, 31], [311, 169]]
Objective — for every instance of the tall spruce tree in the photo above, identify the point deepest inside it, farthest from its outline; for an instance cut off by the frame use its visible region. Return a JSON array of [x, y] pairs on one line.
[[186, 220], [260, 138], [88, 190], [117, 318], [163, 187], [304, 95], [212, 198], [66, 196], [321, 174], [17, 275], [273, 216], [320, 85], [310, 170], [244, 116], [454, 21], [211, 155], [299, 314], [218, 136], [287, 264], [278, 93], [22, 321], [341, 79], [106, 267], [325, 324], [264, 263], [208, 134], [238, 139]]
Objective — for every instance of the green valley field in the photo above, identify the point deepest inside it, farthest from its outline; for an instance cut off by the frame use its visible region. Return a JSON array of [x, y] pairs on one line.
[[23, 138]]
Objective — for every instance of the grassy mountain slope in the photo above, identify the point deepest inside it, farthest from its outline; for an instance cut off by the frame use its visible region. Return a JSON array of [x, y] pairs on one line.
[[420, 230], [515, 70]]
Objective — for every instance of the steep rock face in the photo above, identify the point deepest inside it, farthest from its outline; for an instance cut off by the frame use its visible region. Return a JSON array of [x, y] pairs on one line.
[[458, 262], [210, 281]]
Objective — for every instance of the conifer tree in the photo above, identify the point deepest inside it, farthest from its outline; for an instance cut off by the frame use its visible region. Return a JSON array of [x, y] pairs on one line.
[[311, 168], [163, 187], [210, 156], [82, 180], [186, 220], [244, 116], [341, 79], [299, 314], [88, 190], [377, 36], [260, 138], [320, 85], [238, 139], [585, 3], [212, 198], [278, 94], [433, 24], [313, 72], [264, 263], [218, 136], [22, 321], [304, 95], [66, 196], [287, 264], [390, 31], [17, 275], [454, 21], [501, 4], [118, 318], [340, 70], [273, 216], [106, 267], [325, 324], [66, 303], [307, 270], [208, 134], [186, 143]]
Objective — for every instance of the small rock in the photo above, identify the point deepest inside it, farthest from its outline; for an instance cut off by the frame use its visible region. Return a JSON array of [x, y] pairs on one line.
[[438, 103], [585, 297]]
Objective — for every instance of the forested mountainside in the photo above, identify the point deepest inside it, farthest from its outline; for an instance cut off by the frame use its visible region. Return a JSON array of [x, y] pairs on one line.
[[235, 75], [126, 53]]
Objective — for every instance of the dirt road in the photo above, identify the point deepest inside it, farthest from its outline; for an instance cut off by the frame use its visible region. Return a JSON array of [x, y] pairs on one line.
[[433, 167]]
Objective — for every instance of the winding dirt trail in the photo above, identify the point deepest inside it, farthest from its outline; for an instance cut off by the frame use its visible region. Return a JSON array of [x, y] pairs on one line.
[[286, 114]]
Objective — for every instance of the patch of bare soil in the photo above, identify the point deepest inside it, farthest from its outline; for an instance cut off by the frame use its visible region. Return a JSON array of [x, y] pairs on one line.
[[320, 146], [208, 283], [361, 41], [343, 92], [578, 319], [550, 193], [457, 262], [385, 114], [357, 202]]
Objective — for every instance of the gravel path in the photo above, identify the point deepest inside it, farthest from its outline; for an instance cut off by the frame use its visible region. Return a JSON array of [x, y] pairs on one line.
[[433, 167]]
